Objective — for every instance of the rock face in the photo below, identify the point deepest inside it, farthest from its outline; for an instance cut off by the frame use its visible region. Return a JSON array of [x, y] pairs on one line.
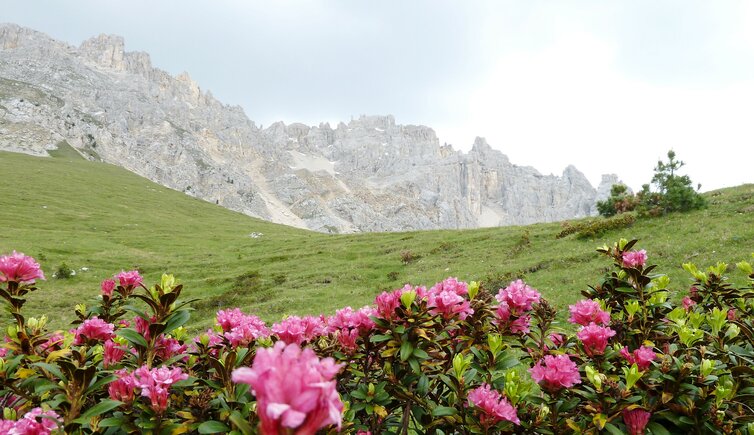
[[368, 175]]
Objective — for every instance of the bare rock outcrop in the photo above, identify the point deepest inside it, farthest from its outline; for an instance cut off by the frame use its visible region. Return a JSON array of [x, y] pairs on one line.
[[369, 174]]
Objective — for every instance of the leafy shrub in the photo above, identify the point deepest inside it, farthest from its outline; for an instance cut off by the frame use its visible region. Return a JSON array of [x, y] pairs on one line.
[[596, 227], [408, 256], [453, 358], [64, 272], [621, 200]]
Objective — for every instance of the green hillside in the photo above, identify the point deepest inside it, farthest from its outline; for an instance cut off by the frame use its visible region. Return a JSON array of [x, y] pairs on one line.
[[104, 219]]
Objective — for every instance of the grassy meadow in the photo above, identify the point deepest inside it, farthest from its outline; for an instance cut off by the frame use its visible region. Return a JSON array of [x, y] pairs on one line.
[[99, 219]]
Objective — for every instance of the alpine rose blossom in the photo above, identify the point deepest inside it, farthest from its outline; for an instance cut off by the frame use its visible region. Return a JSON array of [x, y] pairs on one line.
[[294, 389], [241, 329], [449, 304], [93, 329], [155, 384], [587, 311], [112, 354], [295, 329], [34, 422], [123, 388], [636, 420], [634, 258], [107, 287], [451, 285], [129, 279], [642, 356], [554, 372], [687, 303], [594, 338], [521, 325], [387, 303], [495, 408], [19, 268], [518, 296]]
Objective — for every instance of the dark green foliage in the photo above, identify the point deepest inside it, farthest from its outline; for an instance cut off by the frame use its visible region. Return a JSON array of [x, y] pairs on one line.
[[620, 201], [596, 227], [64, 272]]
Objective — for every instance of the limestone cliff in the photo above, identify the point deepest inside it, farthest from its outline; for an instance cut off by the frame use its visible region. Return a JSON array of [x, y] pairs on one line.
[[370, 174]]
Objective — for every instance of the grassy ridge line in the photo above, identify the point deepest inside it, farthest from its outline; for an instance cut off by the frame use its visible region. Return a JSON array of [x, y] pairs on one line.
[[105, 219]]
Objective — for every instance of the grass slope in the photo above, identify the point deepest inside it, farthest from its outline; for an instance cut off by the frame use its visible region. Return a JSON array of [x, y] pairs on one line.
[[103, 218]]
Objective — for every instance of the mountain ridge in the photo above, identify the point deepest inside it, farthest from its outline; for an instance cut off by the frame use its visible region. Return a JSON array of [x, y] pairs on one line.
[[369, 174]]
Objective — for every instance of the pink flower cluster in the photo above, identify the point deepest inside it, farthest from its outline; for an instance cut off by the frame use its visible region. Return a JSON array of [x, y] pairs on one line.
[[515, 300], [594, 338], [634, 258], [129, 279], [112, 354], [294, 389], [636, 420], [94, 329], [554, 372], [350, 325], [495, 408], [295, 329], [449, 304], [107, 287], [19, 268], [387, 303], [588, 311], [34, 422], [642, 356], [241, 329], [154, 384]]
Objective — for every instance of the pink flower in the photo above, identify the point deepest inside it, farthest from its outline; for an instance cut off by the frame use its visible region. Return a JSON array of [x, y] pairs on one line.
[[634, 258], [636, 420], [364, 432], [594, 338], [495, 408], [451, 285], [107, 287], [732, 314], [642, 356], [587, 311], [155, 384], [112, 354], [387, 303], [294, 389], [557, 339], [687, 303], [52, 343], [93, 329], [129, 279], [168, 347], [521, 325], [449, 304], [19, 268], [295, 329], [347, 338], [557, 372], [123, 388], [503, 311], [347, 318], [518, 296], [241, 329], [34, 422]]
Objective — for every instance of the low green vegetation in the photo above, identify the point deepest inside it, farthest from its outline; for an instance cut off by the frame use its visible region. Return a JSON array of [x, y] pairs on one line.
[[99, 219]]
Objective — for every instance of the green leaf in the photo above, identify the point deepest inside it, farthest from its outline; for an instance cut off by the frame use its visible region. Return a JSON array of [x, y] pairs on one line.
[[611, 428], [213, 426], [657, 429], [406, 350], [176, 320], [112, 422], [442, 411], [133, 337], [100, 408], [379, 338], [237, 419], [55, 370]]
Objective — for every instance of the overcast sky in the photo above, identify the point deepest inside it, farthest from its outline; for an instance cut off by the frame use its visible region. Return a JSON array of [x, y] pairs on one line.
[[609, 87]]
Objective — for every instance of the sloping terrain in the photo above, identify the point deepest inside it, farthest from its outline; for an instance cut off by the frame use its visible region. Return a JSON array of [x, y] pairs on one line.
[[99, 219]]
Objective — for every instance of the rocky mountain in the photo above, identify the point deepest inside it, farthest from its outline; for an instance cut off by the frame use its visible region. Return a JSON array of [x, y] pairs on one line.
[[370, 174]]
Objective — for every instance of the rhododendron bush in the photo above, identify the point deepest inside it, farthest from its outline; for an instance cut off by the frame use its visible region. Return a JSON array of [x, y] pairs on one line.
[[452, 358]]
